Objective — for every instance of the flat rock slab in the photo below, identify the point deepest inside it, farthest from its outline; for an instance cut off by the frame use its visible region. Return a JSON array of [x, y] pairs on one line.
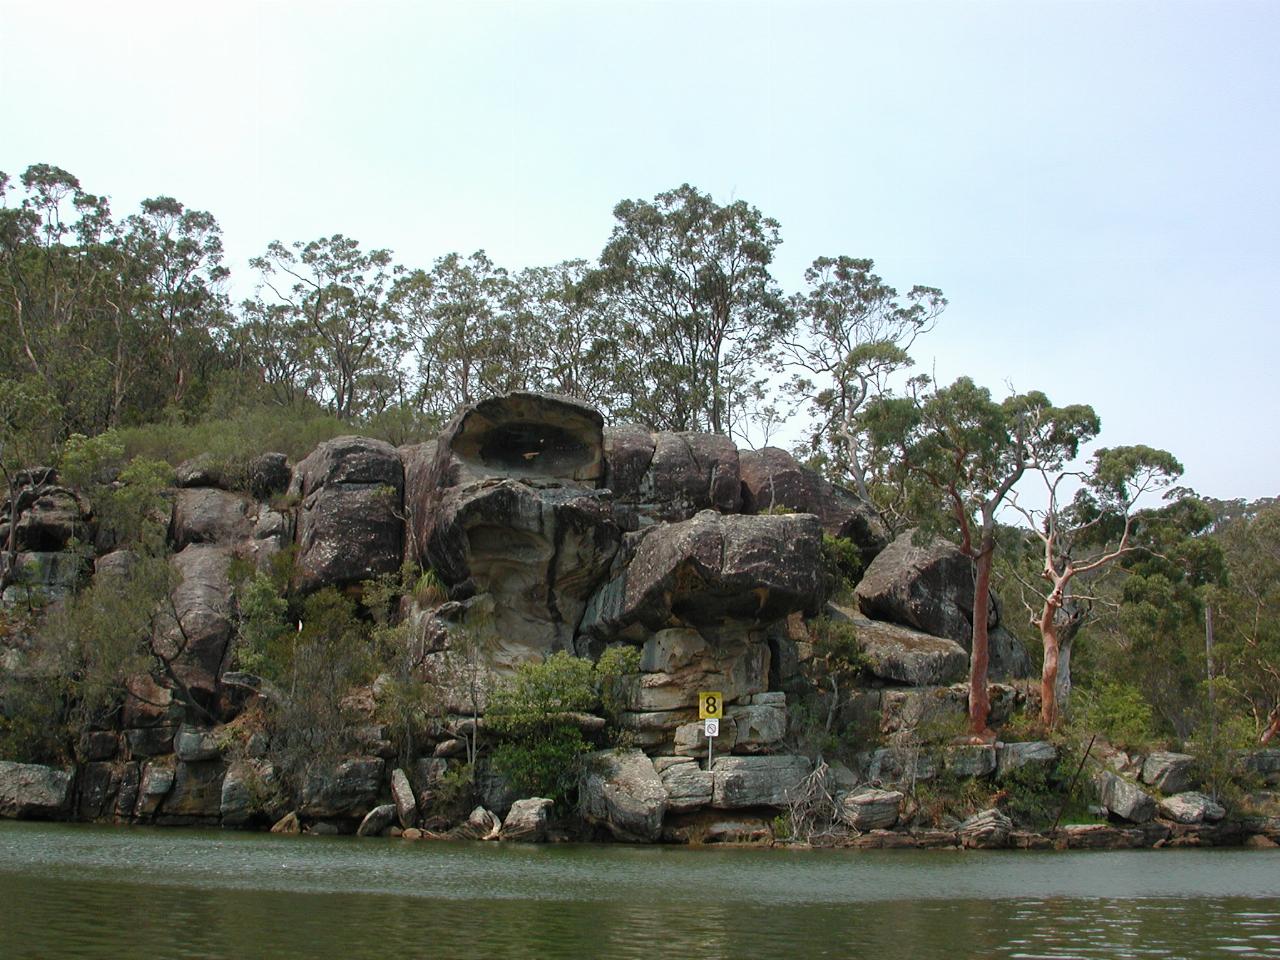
[[769, 781], [903, 655]]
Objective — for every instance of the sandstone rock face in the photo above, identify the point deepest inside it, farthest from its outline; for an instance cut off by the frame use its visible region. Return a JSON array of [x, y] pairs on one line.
[[526, 821], [891, 765], [758, 725], [1168, 772], [348, 790], [903, 655], [986, 830], [768, 781], [970, 761], [1190, 807], [349, 528], [709, 570], [29, 790], [773, 478], [621, 790], [208, 515], [871, 809], [538, 552], [688, 785], [193, 744], [198, 639]]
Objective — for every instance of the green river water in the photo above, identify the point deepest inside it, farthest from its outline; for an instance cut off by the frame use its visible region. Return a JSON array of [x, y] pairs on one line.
[[81, 891]]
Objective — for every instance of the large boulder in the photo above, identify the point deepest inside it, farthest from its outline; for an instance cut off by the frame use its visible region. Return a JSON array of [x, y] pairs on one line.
[[376, 820], [248, 791], [1168, 772], [526, 821], [929, 587], [29, 790], [903, 655], [769, 781], [196, 794], [209, 515], [349, 526], [668, 477], [621, 791], [773, 478], [348, 789], [870, 808], [195, 630], [709, 570], [1123, 799], [986, 830], [1191, 807]]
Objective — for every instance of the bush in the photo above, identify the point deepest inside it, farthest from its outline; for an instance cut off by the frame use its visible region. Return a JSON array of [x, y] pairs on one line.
[[1117, 711], [542, 745], [616, 669], [842, 561]]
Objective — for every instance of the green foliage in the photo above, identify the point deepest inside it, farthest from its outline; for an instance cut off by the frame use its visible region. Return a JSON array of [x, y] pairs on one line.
[[542, 745], [1117, 711], [616, 670], [842, 561], [265, 634], [1030, 796]]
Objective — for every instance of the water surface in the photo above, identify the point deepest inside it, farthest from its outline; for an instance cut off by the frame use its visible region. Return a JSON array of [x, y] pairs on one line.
[[72, 890]]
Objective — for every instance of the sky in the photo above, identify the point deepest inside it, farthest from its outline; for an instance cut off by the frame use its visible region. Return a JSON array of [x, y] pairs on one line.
[[1092, 185]]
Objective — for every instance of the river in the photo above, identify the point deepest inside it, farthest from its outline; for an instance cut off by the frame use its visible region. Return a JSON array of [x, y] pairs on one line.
[[74, 891]]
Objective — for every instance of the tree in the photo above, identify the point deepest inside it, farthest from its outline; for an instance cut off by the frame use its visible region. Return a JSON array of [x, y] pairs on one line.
[[339, 292], [455, 322], [1247, 618], [1119, 477], [960, 454], [853, 333], [703, 313]]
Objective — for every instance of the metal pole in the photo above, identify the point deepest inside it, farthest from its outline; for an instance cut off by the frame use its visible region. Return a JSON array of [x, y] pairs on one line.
[[1072, 789], [1208, 669]]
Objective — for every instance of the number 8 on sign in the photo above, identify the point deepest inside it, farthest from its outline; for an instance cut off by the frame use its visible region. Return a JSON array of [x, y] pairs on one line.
[[710, 705]]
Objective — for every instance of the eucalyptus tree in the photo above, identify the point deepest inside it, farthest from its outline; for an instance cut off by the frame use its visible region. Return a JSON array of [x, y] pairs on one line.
[[702, 312], [960, 453], [1080, 537], [853, 332], [339, 292]]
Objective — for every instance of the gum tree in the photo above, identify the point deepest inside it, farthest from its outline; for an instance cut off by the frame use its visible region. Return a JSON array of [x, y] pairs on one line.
[[960, 453]]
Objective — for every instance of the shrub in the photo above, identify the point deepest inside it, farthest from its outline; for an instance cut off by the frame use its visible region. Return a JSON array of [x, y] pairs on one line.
[[1117, 711], [842, 561]]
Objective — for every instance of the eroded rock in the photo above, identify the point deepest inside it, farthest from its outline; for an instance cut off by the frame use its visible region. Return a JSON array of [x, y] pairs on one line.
[[621, 790], [29, 790]]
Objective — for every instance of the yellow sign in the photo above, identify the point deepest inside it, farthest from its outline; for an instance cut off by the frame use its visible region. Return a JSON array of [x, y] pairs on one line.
[[710, 705]]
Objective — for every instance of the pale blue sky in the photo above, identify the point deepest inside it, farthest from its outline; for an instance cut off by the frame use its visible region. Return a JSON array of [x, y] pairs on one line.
[[1092, 184]]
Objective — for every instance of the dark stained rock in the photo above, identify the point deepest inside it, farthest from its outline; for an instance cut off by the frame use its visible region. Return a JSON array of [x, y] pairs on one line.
[[376, 820], [150, 741], [208, 515], [532, 437], [685, 473], [350, 789], [349, 524], [269, 474], [97, 745], [538, 552], [930, 587], [709, 570], [248, 792], [29, 790], [773, 478], [49, 517], [40, 578], [195, 634], [97, 786], [628, 451], [196, 792]]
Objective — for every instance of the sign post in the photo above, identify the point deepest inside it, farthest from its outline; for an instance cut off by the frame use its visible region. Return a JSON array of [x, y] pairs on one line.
[[710, 710]]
